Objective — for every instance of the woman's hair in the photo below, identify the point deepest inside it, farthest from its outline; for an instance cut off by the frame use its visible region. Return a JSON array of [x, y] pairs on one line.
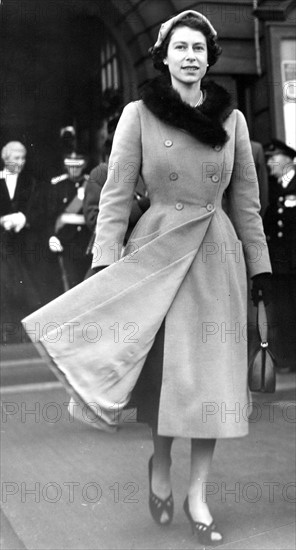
[[160, 53]]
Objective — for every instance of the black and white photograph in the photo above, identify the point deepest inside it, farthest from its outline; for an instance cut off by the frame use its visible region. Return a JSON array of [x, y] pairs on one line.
[[148, 274]]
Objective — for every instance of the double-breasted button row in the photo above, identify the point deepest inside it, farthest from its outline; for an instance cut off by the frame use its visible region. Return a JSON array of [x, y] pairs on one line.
[[173, 176], [280, 222], [180, 206], [168, 143]]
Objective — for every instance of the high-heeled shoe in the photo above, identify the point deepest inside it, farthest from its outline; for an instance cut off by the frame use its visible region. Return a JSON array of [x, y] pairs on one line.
[[204, 532], [157, 505]]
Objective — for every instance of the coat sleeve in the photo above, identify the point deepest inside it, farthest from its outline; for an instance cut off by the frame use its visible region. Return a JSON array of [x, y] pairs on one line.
[[262, 180], [117, 194], [92, 195], [244, 204]]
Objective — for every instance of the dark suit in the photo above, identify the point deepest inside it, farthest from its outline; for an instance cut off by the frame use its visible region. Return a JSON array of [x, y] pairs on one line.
[[21, 254], [280, 229]]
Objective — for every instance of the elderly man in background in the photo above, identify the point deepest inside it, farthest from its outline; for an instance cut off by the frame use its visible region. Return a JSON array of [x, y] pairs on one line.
[[14, 158], [22, 215]]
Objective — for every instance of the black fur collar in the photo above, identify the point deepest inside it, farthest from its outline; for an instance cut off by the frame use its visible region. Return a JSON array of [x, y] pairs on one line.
[[204, 123]]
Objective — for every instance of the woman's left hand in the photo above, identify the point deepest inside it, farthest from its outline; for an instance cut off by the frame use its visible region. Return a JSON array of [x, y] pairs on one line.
[[262, 288]]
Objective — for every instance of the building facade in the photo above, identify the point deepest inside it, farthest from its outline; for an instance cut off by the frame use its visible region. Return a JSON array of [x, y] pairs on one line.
[[78, 61]]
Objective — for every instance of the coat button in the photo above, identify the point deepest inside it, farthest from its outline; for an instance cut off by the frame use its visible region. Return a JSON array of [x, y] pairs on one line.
[[280, 234], [280, 210], [179, 206], [280, 223], [173, 176], [168, 143], [65, 199], [80, 193], [281, 199], [210, 207], [215, 178], [79, 227], [217, 148]]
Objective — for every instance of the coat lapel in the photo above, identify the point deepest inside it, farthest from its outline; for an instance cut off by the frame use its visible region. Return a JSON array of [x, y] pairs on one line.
[[205, 123], [5, 202]]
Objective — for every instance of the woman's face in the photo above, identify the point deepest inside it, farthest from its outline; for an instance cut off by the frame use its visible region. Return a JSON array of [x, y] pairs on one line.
[[187, 56]]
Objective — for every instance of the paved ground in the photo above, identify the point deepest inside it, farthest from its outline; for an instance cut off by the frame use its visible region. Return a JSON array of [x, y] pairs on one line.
[[66, 485]]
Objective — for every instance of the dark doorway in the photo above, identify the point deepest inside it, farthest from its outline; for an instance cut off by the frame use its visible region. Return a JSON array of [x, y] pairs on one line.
[[51, 77]]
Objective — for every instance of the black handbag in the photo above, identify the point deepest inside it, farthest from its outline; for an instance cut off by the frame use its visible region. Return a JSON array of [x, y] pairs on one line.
[[261, 373]]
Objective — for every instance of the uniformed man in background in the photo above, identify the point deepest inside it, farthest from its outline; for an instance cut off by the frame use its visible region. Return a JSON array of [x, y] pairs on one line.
[[69, 233], [280, 229]]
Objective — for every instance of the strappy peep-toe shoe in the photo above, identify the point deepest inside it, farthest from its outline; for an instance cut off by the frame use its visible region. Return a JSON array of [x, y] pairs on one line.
[[157, 505], [203, 532]]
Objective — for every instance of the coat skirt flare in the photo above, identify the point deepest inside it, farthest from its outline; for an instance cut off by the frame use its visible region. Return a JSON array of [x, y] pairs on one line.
[[184, 268]]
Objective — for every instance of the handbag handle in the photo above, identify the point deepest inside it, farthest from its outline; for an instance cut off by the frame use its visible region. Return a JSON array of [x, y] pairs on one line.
[[261, 375], [262, 322]]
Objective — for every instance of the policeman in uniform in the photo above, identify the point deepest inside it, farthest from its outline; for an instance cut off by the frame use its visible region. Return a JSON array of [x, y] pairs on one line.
[[69, 233], [280, 229]]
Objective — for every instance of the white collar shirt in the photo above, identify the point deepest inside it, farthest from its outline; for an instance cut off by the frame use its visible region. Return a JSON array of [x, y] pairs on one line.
[[10, 180]]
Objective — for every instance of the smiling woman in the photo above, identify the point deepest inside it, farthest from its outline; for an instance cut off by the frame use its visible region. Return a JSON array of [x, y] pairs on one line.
[[186, 51], [187, 62], [177, 280], [159, 50]]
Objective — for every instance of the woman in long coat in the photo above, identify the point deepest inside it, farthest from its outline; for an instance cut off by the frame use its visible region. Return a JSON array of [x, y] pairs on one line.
[[176, 299]]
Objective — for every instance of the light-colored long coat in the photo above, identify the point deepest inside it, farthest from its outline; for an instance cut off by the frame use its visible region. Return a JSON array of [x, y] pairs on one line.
[[186, 262]]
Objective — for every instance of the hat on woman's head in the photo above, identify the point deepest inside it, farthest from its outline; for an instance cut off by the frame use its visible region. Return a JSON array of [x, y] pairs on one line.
[[170, 23]]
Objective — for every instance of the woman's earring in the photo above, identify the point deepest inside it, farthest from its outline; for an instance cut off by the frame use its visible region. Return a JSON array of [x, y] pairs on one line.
[[208, 65]]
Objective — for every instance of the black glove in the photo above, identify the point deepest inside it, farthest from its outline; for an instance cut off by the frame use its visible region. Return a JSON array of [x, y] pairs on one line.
[[262, 288]]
